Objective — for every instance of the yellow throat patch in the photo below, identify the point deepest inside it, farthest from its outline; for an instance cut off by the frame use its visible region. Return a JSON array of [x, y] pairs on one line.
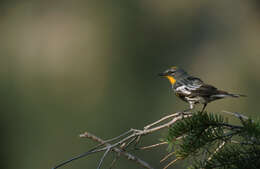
[[171, 79]]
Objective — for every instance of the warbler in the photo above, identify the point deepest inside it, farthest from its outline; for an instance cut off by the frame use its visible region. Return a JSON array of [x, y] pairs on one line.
[[192, 89]]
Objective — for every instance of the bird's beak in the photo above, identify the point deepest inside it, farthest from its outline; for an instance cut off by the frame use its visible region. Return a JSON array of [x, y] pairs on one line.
[[162, 74]]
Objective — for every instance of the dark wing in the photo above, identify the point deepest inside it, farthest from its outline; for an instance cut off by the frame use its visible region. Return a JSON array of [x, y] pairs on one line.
[[198, 88], [193, 82], [205, 90], [186, 87]]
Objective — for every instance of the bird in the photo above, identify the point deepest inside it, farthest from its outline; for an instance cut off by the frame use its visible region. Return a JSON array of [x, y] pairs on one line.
[[192, 89]]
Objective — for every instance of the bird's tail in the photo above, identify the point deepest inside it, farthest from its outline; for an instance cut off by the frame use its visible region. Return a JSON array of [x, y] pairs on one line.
[[222, 94], [237, 95]]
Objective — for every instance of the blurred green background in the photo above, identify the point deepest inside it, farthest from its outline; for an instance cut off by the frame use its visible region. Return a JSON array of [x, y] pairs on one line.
[[74, 66]]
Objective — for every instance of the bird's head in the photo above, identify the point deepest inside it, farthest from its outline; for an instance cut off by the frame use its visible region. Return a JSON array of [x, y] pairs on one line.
[[172, 74]]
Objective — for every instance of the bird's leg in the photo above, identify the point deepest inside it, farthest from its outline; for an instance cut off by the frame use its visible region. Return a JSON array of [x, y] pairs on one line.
[[204, 106], [191, 107]]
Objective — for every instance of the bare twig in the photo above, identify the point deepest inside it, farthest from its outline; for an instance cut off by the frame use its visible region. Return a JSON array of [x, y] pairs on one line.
[[148, 131], [217, 150], [92, 151], [88, 135], [121, 135], [236, 114], [130, 142], [168, 165], [132, 135], [168, 124], [136, 134], [152, 146], [103, 157], [172, 153], [167, 156], [160, 120], [114, 161], [119, 144], [117, 150]]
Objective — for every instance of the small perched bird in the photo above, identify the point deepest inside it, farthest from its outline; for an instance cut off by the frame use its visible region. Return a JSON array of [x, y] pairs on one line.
[[192, 89]]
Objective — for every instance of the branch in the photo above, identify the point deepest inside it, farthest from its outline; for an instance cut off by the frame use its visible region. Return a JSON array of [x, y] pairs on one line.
[[217, 150], [117, 150], [134, 135], [120, 143], [103, 157], [152, 146], [236, 114], [160, 120]]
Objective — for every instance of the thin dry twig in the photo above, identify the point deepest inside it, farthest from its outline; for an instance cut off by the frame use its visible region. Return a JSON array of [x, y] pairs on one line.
[[119, 144], [123, 140], [217, 150], [114, 161], [117, 150], [172, 162], [129, 143], [152, 146], [172, 153], [92, 151], [134, 134], [103, 157], [167, 156], [236, 114], [160, 120]]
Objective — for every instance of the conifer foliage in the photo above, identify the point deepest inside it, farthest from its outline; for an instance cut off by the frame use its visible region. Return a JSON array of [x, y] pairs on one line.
[[210, 142], [206, 139]]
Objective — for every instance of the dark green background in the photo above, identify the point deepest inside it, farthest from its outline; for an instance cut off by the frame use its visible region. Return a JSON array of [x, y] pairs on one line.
[[73, 66]]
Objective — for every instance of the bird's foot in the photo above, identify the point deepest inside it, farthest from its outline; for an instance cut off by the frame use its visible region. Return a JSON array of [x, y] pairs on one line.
[[184, 111]]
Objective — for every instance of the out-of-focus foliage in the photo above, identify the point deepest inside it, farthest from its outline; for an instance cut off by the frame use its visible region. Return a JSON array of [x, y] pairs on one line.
[[71, 66]]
